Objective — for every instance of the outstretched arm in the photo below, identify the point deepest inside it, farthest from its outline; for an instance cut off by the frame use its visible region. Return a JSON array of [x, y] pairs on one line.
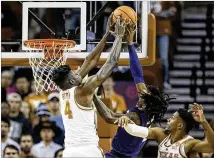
[[110, 116], [92, 59], [155, 133], [96, 80], [197, 145], [135, 66]]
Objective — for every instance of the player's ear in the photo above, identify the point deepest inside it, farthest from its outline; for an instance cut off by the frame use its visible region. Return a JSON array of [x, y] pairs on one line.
[[180, 126], [72, 81]]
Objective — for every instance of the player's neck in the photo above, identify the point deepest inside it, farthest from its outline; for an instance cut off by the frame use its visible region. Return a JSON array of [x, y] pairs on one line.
[[177, 135]]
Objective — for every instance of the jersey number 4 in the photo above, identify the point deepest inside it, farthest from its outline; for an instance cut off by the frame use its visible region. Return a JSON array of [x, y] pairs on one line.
[[68, 110]]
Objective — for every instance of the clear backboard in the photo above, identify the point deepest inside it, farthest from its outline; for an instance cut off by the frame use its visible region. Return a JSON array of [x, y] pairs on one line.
[[83, 22]]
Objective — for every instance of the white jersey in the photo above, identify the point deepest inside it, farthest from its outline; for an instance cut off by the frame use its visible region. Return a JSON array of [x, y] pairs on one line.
[[175, 150], [80, 122]]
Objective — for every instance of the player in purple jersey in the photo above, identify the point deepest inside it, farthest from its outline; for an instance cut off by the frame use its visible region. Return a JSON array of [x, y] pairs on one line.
[[151, 107]]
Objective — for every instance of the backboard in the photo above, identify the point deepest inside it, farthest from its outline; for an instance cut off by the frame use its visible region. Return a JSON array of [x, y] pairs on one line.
[[85, 21]]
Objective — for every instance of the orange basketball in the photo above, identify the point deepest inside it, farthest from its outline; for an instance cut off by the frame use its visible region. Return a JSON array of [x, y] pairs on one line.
[[125, 12]]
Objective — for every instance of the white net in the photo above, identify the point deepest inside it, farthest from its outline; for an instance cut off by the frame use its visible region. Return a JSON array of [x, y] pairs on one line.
[[42, 68]]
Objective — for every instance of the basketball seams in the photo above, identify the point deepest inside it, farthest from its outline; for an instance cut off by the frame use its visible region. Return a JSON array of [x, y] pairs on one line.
[[124, 13]]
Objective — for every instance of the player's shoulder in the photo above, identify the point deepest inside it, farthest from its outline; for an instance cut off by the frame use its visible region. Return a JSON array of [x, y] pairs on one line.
[[159, 133]]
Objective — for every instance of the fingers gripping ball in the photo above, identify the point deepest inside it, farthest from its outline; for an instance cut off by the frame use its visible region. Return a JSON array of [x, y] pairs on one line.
[[126, 13]]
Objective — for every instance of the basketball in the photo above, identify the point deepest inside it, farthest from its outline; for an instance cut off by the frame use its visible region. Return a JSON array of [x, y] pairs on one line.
[[126, 13]]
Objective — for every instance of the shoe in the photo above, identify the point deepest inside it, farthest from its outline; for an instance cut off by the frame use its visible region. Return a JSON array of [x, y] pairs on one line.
[[167, 85]]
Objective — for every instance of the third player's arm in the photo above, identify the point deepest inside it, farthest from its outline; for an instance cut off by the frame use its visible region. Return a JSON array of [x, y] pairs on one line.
[[198, 145]]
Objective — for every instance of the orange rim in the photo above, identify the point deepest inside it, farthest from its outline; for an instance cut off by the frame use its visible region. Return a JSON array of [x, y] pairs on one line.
[[48, 43]]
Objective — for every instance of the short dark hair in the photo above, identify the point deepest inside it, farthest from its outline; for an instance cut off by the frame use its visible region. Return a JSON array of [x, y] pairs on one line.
[[59, 74], [23, 135], [188, 119], [11, 147], [55, 155], [156, 103], [6, 120]]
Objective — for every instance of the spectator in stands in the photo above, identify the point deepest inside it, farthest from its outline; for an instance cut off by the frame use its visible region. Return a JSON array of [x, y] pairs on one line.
[[26, 143], [25, 109], [5, 109], [118, 102], [22, 86], [11, 151], [19, 124], [34, 99], [163, 13], [209, 155], [46, 148], [6, 82], [5, 140], [53, 101], [43, 115], [59, 153]]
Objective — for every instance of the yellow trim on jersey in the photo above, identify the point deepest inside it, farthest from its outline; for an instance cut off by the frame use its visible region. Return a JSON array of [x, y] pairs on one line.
[[101, 150], [80, 106]]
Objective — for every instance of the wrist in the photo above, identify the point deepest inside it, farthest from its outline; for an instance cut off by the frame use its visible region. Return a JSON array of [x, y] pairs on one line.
[[130, 43], [204, 122]]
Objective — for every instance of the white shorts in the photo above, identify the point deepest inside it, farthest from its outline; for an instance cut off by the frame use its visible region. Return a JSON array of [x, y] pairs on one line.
[[83, 151]]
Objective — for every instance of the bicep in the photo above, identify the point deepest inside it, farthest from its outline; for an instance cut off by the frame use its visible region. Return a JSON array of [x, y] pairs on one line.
[[96, 80], [202, 147], [157, 134]]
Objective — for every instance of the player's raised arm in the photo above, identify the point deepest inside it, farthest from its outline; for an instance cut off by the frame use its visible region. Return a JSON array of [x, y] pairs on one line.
[[135, 66], [92, 59], [199, 146], [95, 81]]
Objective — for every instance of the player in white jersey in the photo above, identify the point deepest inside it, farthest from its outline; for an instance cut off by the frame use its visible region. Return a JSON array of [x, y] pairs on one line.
[[174, 141], [77, 106]]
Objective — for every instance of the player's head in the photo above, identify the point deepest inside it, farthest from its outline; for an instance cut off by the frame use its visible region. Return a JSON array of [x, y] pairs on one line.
[[154, 102], [65, 78], [181, 120]]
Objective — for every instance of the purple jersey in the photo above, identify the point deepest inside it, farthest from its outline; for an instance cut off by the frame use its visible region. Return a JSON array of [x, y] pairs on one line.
[[125, 145]]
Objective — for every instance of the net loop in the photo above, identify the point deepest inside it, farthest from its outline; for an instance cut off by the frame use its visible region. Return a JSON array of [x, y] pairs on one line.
[[42, 67]]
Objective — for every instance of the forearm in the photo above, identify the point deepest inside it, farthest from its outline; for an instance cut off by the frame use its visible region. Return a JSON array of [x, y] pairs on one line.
[[135, 66], [96, 52], [137, 131], [209, 133], [104, 111], [92, 59], [111, 62]]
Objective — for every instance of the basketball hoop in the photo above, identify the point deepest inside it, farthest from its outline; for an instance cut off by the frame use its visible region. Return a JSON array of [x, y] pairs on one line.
[[54, 57]]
